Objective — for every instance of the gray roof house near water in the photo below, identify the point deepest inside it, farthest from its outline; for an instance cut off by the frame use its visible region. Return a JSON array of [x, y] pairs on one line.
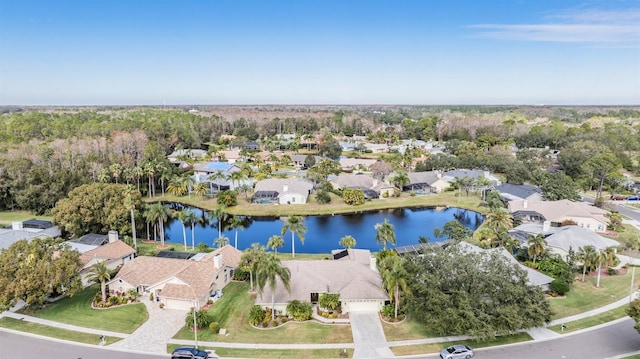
[[512, 192], [282, 191]]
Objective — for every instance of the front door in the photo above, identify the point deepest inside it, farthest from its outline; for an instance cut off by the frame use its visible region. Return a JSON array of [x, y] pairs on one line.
[[314, 297]]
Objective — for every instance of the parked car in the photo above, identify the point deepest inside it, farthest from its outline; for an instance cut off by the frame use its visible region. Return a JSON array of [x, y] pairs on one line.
[[633, 198], [616, 197], [457, 351], [189, 353]]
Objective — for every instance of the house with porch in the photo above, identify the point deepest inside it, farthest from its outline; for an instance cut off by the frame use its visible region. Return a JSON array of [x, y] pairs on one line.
[[114, 253], [371, 187], [282, 191], [178, 283], [429, 182], [352, 274]]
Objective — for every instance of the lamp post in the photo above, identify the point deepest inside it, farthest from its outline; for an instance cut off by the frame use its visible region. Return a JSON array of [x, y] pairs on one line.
[[195, 326]]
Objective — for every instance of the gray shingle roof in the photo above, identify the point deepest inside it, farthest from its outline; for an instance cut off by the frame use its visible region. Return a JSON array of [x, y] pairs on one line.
[[518, 191], [575, 237], [278, 185]]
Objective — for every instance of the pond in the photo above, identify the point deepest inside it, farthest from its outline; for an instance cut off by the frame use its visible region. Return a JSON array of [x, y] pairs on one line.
[[324, 232]]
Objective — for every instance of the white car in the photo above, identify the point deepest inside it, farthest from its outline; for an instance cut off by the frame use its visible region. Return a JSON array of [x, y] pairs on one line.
[[456, 352]]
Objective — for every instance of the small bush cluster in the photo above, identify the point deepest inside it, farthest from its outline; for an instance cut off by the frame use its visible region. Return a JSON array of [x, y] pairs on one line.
[[300, 311], [560, 287], [240, 274], [115, 298], [256, 315]]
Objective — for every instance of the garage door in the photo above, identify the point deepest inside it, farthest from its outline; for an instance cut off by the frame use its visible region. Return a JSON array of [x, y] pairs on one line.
[[373, 306], [178, 304]]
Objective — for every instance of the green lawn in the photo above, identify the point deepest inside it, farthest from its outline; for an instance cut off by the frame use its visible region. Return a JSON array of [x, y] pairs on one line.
[[267, 353], [232, 312], [585, 296], [7, 217], [336, 206], [437, 347], [591, 321], [58, 333], [77, 310], [409, 329]]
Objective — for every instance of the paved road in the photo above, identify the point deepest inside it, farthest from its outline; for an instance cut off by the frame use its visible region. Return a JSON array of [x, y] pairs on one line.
[[617, 206], [23, 346], [602, 343]]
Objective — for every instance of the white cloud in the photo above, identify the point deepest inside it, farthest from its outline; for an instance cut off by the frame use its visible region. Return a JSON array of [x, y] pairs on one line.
[[620, 28]]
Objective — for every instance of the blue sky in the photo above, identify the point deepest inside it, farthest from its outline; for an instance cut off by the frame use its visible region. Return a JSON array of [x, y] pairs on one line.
[[319, 52]]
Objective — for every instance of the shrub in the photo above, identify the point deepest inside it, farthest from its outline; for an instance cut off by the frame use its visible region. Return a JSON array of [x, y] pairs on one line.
[[227, 198], [133, 294], [329, 301], [265, 324], [114, 300], [559, 286], [202, 247], [388, 311], [161, 305], [300, 310], [256, 315], [214, 327], [612, 271], [284, 320], [202, 319], [240, 274], [267, 316], [412, 193], [323, 197], [353, 197], [151, 297], [274, 323]]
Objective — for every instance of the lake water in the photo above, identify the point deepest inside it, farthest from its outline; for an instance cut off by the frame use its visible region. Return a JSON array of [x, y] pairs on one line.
[[324, 232]]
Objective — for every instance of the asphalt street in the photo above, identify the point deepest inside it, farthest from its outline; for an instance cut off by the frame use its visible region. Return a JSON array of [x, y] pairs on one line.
[[606, 342]]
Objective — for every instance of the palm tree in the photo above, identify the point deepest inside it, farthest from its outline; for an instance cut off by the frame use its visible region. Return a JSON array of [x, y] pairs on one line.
[[191, 218], [483, 183], [400, 180], [200, 189], [237, 177], [588, 256], [386, 233], [100, 273], [150, 170], [176, 187], [236, 223], [115, 170], [295, 226], [275, 242], [348, 242], [250, 259], [160, 213], [137, 172], [217, 175], [187, 183], [104, 176], [499, 221], [394, 276], [165, 174], [605, 258], [130, 204], [268, 273], [221, 242], [219, 214], [535, 245], [182, 217]]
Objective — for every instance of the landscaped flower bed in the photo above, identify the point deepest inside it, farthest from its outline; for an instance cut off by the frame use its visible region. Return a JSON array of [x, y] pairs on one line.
[[115, 298]]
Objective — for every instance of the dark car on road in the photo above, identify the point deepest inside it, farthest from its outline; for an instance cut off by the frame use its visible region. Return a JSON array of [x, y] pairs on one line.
[[633, 198], [189, 353]]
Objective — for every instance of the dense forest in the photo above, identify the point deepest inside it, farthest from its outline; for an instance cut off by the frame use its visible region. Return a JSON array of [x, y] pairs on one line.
[[47, 152]]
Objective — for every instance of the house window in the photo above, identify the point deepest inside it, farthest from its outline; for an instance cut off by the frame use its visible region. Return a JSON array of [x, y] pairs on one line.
[[293, 199]]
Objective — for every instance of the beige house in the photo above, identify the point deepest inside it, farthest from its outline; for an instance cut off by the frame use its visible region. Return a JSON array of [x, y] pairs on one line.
[[556, 212], [114, 254], [430, 181], [179, 283], [352, 274]]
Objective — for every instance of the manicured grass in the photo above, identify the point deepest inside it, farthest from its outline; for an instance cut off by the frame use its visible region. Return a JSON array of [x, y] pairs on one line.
[[637, 356], [437, 347], [336, 206], [591, 321], [585, 296], [408, 329], [273, 353], [150, 248], [77, 310], [6, 217], [232, 312], [58, 333]]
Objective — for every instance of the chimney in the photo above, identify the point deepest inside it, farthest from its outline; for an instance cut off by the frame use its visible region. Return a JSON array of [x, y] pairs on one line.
[[285, 188], [217, 261], [438, 174], [16, 226], [113, 236], [372, 263], [525, 204], [546, 226]]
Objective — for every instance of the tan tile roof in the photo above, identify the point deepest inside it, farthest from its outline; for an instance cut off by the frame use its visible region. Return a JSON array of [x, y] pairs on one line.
[[557, 211], [112, 250], [352, 279], [197, 276]]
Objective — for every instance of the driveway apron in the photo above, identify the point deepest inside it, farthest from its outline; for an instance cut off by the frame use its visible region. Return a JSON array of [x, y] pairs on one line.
[[153, 335], [368, 336]]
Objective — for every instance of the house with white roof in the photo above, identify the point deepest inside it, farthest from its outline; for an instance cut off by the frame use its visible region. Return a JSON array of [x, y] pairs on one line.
[[557, 212], [282, 191], [352, 274], [27, 230]]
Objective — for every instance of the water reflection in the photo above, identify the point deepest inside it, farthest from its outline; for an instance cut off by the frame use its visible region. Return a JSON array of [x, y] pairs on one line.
[[324, 232]]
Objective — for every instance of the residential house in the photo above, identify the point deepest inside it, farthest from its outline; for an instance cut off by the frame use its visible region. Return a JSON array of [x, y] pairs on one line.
[[533, 276], [512, 192], [376, 147], [354, 164], [203, 173], [430, 181], [562, 240], [557, 212], [28, 230], [252, 146], [113, 254], [179, 283], [475, 174], [371, 187], [352, 274], [184, 155], [282, 191], [298, 160]]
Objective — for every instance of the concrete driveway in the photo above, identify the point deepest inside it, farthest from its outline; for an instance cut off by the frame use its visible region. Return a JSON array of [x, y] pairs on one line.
[[368, 336]]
